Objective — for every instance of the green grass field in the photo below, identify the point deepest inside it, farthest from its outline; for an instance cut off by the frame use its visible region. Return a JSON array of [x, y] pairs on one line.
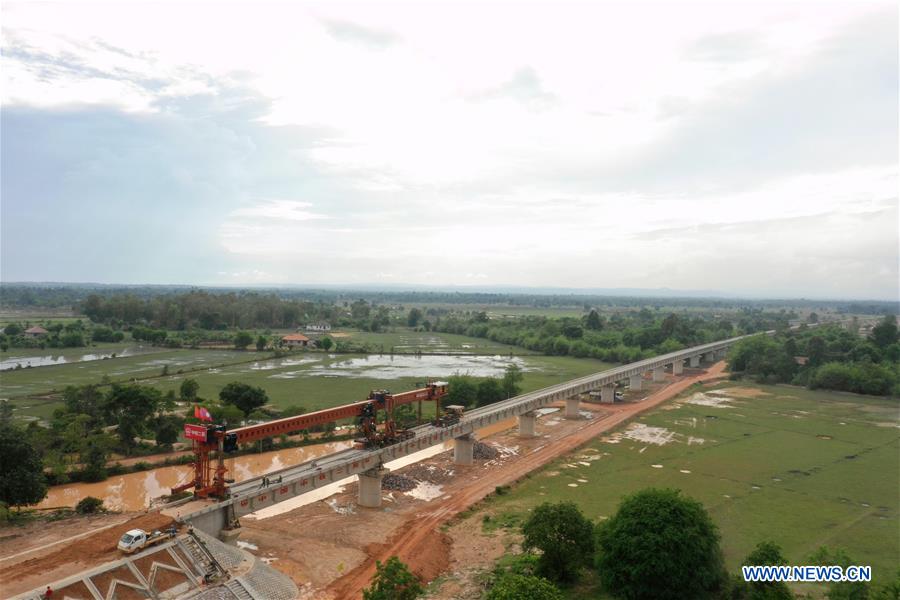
[[801, 468]]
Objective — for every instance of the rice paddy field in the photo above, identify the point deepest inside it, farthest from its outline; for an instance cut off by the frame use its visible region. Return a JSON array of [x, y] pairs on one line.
[[801, 468], [312, 380]]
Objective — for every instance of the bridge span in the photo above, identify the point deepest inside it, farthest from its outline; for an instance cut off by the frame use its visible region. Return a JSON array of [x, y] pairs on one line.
[[221, 518]]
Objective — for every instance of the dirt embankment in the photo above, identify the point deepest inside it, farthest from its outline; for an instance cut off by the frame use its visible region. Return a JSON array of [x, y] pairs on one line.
[[65, 559]]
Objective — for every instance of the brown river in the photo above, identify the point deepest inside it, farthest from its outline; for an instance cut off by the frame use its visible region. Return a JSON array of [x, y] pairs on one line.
[[135, 491]]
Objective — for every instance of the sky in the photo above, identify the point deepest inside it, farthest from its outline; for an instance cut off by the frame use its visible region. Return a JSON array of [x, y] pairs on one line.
[[746, 148]]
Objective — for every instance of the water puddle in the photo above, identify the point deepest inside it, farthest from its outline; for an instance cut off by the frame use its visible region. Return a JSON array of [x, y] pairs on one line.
[[426, 491], [714, 401]]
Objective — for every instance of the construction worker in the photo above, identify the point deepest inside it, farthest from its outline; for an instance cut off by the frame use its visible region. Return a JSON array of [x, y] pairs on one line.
[[48, 594]]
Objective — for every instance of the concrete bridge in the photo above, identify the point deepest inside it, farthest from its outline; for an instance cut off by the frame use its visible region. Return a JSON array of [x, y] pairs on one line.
[[221, 518]]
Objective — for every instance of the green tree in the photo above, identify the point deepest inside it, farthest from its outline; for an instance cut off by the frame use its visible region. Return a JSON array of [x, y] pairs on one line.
[[523, 587], [22, 478], [461, 390], [414, 317], [659, 546], [72, 339], [488, 392], [840, 590], [6, 412], [767, 553], [94, 457], [261, 342], [245, 397], [189, 389], [167, 432], [326, 343], [594, 322], [816, 350], [242, 339], [130, 407], [885, 333], [393, 581], [512, 376], [12, 329], [564, 537]]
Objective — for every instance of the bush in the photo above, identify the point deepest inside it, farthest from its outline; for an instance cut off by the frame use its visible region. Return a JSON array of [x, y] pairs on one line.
[[523, 587], [89, 506], [392, 581], [564, 537]]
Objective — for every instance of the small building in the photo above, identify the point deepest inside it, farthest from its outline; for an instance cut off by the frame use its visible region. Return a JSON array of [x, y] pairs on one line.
[[35, 332], [318, 327], [296, 340]]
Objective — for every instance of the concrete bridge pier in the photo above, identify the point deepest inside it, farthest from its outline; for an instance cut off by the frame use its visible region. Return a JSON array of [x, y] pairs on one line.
[[526, 424], [710, 357], [464, 449], [678, 367], [695, 361], [608, 393], [635, 381], [370, 487], [659, 374], [573, 408]]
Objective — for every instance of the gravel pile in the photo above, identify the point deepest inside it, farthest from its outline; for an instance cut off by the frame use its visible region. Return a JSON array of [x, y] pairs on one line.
[[397, 483], [428, 473], [483, 451]]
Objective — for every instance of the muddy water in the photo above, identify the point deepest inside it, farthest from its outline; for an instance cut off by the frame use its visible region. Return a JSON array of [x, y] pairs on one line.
[[135, 490]]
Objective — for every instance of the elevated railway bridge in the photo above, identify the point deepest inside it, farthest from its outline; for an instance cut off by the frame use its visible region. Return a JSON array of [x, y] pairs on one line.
[[220, 517]]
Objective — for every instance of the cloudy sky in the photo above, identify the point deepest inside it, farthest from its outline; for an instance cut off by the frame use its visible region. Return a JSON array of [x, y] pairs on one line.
[[747, 148]]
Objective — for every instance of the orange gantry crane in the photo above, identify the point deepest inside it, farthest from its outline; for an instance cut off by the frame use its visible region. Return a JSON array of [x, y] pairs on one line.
[[210, 481]]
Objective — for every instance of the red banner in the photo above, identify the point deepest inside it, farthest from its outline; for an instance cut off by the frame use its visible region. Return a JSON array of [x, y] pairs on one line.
[[195, 432]]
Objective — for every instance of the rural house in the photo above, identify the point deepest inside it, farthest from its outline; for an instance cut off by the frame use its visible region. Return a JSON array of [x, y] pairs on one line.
[[318, 327], [35, 332], [296, 340]]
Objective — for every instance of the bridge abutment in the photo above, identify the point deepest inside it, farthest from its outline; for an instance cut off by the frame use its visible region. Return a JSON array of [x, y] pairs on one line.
[[464, 449], [526, 424], [370, 487]]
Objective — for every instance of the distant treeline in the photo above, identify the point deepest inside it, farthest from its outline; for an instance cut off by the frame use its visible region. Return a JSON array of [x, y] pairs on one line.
[[828, 357], [620, 338], [45, 296]]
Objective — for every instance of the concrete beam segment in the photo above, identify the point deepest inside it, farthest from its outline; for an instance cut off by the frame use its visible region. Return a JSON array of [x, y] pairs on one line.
[[573, 408], [659, 374], [634, 382], [608, 393], [526, 424], [695, 361], [464, 449], [370, 487], [678, 366]]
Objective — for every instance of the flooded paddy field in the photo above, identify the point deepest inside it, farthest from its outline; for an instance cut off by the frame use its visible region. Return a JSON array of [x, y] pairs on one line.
[[21, 358], [313, 379], [798, 467], [425, 341]]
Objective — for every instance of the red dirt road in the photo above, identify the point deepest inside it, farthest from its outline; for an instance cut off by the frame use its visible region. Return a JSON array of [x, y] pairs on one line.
[[420, 534]]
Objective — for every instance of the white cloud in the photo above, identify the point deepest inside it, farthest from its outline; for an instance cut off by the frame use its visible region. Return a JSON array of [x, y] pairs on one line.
[[605, 144]]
